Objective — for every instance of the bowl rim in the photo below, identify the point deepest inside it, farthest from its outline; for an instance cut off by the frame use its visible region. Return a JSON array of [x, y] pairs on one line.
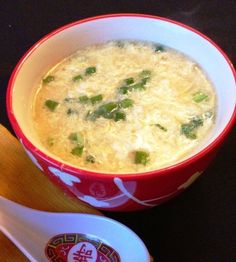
[[108, 175]]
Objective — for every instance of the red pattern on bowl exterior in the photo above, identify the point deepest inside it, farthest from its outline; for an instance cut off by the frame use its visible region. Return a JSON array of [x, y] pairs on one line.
[[119, 192]]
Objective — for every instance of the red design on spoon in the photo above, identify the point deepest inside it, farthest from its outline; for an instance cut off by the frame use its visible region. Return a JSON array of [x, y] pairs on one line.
[[74, 247]]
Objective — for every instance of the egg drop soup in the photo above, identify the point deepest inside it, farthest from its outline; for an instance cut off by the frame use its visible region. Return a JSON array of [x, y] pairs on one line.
[[124, 107]]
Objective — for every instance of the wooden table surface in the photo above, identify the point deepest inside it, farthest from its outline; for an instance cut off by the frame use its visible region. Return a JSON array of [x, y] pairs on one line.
[[25, 184]]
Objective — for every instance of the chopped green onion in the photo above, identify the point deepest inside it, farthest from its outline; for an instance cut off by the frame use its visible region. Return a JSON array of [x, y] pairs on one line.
[[90, 159], [129, 81], [106, 109], [109, 111], [50, 141], [90, 70], [118, 115], [77, 151], [199, 97], [71, 111], [51, 104], [161, 127], [189, 129], [197, 121], [96, 99], [92, 115], [77, 78], [73, 137], [139, 86], [145, 74], [141, 157], [83, 99], [48, 79], [130, 85], [120, 44], [70, 99], [159, 48], [76, 138], [126, 103], [208, 114], [144, 81], [124, 89]]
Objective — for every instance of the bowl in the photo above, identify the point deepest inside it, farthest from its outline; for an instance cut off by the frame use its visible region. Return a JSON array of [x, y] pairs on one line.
[[121, 192]]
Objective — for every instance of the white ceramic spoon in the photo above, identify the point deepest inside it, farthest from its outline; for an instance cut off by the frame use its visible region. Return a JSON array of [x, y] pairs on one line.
[[41, 235]]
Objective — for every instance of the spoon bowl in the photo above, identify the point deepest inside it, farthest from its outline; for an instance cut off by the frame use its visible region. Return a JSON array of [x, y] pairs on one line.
[[44, 236]]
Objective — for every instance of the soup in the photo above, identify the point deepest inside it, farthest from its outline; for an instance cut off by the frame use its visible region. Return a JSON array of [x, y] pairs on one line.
[[124, 107]]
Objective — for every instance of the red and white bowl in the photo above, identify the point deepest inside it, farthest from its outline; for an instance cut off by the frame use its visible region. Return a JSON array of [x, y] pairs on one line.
[[121, 192]]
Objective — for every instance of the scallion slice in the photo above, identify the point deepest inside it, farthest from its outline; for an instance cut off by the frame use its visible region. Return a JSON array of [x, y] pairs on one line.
[[142, 157], [51, 104], [90, 70], [129, 81], [199, 97], [125, 103], [48, 79], [77, 151], [159, 48], [161, 127], [189, 129], [90, 159], [77, 78], [84, 99], [96, 99]]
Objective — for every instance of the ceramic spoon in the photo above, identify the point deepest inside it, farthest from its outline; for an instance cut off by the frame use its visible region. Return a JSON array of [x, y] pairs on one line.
[[44, 236]]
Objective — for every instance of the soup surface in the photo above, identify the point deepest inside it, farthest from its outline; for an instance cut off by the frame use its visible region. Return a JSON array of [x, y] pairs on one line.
[[124, 107]]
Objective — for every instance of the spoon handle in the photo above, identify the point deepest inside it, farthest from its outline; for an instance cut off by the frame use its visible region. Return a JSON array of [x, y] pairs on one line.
[[8, 211], [16, 222]]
